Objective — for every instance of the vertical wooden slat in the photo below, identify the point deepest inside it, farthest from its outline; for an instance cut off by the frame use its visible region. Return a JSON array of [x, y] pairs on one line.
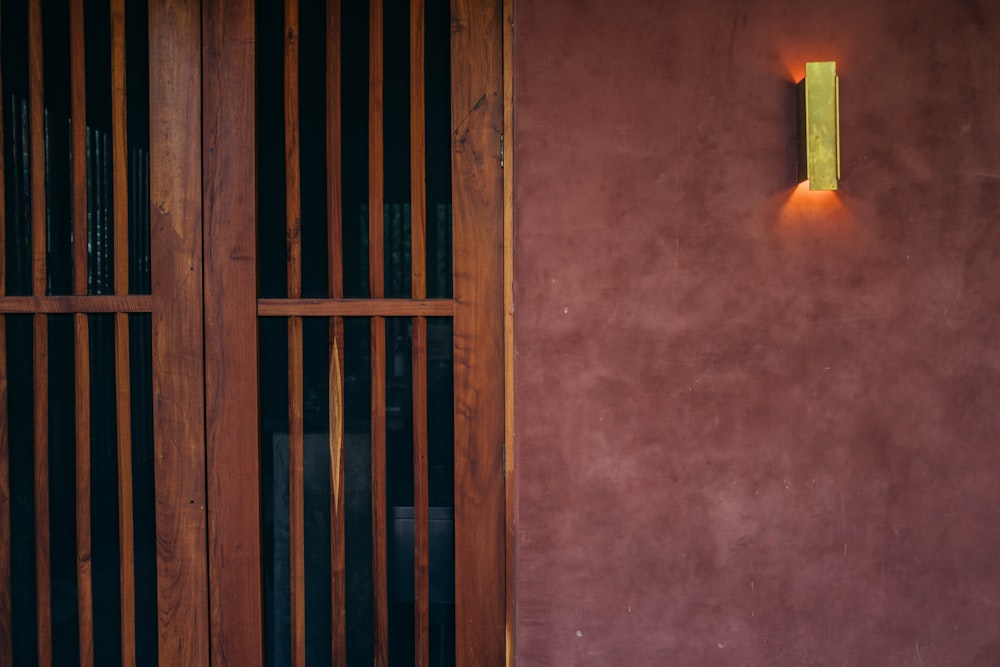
[[119, 146], [78, 103], [338, 584], [178, 350], [231, 356], [41, 336], [378, 409], [477, 192], [126, 531], [293, 221], [293, 174], [296, 498], [43, 584], [84, 581], [418, 159], [421, 525], [335, 286], [418, 282], [37, 132], [376, 182], [376, 286]]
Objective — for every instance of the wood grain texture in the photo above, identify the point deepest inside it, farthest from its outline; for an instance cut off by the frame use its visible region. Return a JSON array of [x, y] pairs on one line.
[[6, 618], [421, 499], [380, 598], [338, 569], [231, 360], [178, 372], [418, 154], [84, 579], [36, 130], [477, 187], [293, 165], [119, 146], [296, 492], [352, 307], [78, 126], [138, 303], [3, 219], [376, 154], [43, 582], [126, 528]]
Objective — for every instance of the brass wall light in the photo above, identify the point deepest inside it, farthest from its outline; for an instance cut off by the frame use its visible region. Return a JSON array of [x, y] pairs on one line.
[[819, 126]]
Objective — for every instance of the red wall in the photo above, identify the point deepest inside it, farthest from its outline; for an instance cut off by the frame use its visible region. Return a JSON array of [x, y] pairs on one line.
[[755, 429]]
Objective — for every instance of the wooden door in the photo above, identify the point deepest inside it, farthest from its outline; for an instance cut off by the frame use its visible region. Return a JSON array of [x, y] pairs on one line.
[[163, 310]]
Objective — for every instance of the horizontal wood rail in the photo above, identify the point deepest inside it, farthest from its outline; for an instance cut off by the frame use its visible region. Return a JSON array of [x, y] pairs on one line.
[[131, 303], [355, 307]]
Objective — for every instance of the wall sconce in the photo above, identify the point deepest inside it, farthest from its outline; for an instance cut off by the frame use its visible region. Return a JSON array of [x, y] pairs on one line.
[[819, 126]]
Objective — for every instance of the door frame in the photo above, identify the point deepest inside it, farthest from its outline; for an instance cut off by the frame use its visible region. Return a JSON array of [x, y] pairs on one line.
[[481, 247]]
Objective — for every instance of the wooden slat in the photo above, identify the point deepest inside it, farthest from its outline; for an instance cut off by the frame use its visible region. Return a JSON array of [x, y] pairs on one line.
[[352, 307], [335, 287], [6, 618], [136, 303], [421, 498], [119, 146], [126, 531], [378, 410], [477, 187], [78, 88], [3, 225], [338, 582], [84, 579], [178, 352], [296, 491], [37, 132], [293, 177], [43, 583], [376, 155], [231, 357], [418, 159]]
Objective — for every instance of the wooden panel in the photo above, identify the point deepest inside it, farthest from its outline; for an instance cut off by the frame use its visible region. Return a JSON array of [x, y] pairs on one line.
[[379, 582], [43, 584], [508, 318], [178, 409], [84, 580], [231, 362], [421, 498], [296, 492], [376, 154], [477, 189], [352, 307]]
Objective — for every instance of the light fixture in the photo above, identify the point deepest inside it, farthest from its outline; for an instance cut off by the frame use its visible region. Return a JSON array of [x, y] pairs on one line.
[[819, 126]]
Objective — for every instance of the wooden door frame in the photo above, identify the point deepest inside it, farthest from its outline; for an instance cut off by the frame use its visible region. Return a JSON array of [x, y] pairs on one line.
[[481, 237]]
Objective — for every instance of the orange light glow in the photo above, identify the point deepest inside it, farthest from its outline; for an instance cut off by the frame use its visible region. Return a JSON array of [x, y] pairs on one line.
[[806, 207]]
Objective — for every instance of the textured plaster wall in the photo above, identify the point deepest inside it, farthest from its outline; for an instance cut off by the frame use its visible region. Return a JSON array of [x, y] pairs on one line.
[[756, 428]]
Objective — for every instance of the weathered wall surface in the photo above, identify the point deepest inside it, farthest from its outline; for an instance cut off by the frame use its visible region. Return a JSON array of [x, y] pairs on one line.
[[755, 427]]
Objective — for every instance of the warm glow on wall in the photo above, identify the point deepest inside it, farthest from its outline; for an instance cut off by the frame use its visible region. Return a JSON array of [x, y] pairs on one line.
[[819, 126]]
